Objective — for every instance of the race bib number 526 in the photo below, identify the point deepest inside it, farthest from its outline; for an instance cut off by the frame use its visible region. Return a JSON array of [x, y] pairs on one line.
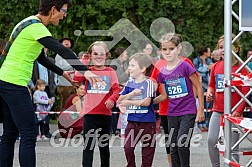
[[176, 88]]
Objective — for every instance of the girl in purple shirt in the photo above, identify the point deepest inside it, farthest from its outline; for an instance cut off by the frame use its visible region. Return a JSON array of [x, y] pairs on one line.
[[177, 80]]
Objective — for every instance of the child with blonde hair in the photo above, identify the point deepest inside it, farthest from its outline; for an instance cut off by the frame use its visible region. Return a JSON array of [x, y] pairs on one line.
[[98, 103]]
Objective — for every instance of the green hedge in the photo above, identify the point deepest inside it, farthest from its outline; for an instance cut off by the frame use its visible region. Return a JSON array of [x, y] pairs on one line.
[[199, 21]]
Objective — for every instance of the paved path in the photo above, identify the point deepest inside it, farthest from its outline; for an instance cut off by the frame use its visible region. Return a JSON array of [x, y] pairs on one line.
[[68, 153]]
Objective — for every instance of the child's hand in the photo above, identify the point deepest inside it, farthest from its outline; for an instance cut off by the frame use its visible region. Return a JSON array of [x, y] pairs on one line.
[[109, 104], [53, 99], [209, 97], [200, 116], [236, 114], [136, 91], [125, 103], [93, 79], [50, 101]]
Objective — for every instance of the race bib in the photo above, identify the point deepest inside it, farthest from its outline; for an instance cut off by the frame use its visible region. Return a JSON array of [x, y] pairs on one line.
[[176, 88], [135, 108], [100, 89], [220, 85]]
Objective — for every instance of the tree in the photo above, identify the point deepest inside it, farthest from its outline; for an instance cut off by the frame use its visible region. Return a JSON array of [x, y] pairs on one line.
[[199, 21]]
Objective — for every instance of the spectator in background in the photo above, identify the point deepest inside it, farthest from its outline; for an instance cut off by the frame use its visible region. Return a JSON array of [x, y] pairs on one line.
[[43, 104], [203, 64], [41, 72], [216, 56], [72, 124], [2, 45], [149, 51], [119, 64], [84, 57], [159, 54], [64, 88], [249, 53], [81, 53]]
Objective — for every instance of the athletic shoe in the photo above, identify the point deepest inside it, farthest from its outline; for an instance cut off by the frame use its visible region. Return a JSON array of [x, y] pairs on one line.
[[38, 138], [44, 138]]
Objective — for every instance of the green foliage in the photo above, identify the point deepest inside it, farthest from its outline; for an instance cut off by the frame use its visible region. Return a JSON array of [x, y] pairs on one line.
[[199, 21]]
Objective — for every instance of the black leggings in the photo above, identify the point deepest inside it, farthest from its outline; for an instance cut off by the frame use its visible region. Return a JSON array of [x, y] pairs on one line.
[[41, 127], [96, 126], [181, 128], [164, 122]]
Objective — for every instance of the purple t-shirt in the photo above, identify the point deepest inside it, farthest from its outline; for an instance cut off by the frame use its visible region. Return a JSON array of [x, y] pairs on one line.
[[179, 89]]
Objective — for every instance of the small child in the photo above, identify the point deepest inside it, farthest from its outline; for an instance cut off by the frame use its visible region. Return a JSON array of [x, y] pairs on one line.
[[137, 96], [42, 104], [176, 80]]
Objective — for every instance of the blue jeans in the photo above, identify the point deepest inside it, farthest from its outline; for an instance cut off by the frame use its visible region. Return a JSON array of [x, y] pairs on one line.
[[18, 119]]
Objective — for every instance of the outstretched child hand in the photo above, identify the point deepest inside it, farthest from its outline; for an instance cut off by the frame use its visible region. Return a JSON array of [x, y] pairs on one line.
[[109, 104], [200, 116]]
